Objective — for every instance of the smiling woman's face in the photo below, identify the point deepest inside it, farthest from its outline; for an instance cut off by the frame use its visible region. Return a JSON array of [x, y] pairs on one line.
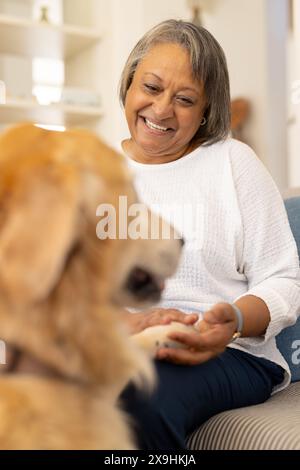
[[164, 105]]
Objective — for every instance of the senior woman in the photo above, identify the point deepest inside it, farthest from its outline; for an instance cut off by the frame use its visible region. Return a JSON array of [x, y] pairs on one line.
[[239, 270]]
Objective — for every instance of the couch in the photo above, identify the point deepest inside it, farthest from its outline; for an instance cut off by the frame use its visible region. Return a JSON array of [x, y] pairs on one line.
[[275, 424]]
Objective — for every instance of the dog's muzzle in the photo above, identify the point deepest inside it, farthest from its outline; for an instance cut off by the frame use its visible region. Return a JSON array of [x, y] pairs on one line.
[[144, 285]]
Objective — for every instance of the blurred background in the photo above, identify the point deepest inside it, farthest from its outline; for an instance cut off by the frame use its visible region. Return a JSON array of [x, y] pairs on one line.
[[61, 60]]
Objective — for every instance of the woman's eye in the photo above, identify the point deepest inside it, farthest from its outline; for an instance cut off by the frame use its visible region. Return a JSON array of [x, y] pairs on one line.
[[151, 88], [184, 100]]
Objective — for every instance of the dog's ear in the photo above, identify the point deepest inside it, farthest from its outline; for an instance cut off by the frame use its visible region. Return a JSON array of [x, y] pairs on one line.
[[38, 208]]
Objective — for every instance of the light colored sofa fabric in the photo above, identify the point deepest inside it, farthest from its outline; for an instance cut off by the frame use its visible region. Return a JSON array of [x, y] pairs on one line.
[[274, 424]]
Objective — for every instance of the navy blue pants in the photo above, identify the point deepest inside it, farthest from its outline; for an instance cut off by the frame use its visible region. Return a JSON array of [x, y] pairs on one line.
[[186, 396]]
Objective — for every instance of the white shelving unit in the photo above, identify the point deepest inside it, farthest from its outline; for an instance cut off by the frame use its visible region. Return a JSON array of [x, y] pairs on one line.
[[25, 39], [54, 114]]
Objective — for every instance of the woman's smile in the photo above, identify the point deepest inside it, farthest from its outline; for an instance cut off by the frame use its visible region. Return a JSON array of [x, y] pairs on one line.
[[153, 128]]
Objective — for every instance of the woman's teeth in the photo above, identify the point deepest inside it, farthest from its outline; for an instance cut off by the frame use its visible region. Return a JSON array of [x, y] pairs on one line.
[[151, 125]]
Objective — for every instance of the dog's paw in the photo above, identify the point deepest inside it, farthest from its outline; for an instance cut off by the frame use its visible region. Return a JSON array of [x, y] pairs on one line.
[[155, 337], [145, 376]]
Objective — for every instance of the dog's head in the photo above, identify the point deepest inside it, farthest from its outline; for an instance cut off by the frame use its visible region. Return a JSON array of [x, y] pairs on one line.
[[65, 273]]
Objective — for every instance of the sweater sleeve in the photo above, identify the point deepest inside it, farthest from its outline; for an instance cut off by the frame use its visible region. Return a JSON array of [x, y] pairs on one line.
[[269, 259]]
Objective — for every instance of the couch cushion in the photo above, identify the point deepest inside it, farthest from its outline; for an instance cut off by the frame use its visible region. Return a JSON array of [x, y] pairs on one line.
[[288, 341], [273, 425], [293, 211]]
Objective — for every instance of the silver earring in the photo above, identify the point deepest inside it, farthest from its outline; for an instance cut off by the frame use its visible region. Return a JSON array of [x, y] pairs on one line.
[[203, 122]]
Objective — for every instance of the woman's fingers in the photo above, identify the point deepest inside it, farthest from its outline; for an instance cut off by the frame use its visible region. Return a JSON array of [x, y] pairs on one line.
[[190, 319], [219, 313], [177, 315], [201, 341], [166, 316]]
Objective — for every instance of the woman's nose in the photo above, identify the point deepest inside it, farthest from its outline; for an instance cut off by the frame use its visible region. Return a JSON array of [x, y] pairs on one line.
[[162, 107]]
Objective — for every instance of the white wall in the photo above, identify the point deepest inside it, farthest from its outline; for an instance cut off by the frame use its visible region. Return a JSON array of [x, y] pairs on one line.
[[12, 68], [18, 8], [253, 35], [294, 100], [276, 145]]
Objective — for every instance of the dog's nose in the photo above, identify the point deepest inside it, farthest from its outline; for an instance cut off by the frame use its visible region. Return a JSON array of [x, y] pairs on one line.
[[182, 242], [143, 285]]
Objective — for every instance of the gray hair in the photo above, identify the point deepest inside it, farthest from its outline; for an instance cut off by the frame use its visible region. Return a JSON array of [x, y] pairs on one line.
[[208, 64]]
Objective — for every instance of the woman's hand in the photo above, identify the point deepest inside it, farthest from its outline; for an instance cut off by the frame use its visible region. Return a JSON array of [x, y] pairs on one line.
[[157, 316], [214, 333]]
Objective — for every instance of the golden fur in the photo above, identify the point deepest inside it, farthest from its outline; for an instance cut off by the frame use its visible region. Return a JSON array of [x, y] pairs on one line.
[[59, 289]]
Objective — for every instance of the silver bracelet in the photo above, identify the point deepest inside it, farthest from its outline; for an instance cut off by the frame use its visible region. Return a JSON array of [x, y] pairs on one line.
[[240, 322]]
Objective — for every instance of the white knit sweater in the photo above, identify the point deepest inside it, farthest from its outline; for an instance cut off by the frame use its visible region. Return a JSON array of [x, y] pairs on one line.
[[238, 241]]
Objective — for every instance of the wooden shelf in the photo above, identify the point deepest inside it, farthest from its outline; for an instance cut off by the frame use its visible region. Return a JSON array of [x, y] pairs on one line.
[[33, 39], [54, 114]]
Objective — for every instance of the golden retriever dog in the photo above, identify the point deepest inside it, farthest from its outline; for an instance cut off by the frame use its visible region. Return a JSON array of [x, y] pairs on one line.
[[62, 289]]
